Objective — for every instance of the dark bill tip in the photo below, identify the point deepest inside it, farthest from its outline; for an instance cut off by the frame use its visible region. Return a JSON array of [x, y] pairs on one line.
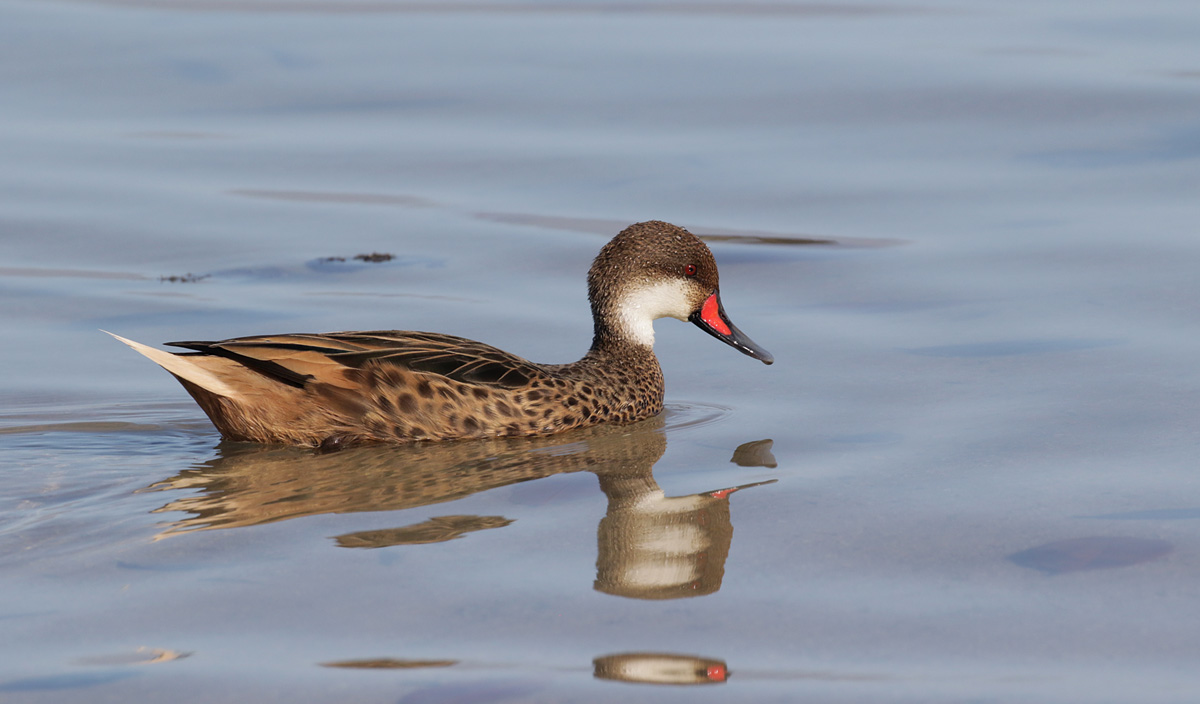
[[711, 318]]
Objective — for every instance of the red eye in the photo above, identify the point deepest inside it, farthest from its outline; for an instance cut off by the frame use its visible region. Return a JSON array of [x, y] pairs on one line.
[[689, 270]]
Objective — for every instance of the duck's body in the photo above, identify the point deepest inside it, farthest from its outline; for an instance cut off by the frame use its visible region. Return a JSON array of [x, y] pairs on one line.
[[344, 388], [399, 386]]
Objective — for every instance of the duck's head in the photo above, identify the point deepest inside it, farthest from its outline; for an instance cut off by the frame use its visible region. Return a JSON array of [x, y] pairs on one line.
[[657, 270]]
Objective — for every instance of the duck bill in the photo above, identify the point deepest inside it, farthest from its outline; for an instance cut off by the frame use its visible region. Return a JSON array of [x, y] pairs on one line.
[[711, 319]]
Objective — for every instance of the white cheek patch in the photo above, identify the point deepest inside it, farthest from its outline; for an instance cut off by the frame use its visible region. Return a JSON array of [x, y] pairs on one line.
[[642, 305]]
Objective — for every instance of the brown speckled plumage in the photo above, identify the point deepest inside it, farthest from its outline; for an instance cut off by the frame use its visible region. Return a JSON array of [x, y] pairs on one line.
[[337, 389]]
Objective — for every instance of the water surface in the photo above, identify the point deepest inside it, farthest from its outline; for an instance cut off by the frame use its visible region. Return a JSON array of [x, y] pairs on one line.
[[966, 231]]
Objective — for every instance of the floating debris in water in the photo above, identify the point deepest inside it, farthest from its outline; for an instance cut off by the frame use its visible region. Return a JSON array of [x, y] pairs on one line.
[[374, 257], [389, 664], [359, 262], [184, 279]]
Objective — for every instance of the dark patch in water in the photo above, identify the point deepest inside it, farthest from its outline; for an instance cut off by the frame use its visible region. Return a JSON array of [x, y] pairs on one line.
[[1091, 553]]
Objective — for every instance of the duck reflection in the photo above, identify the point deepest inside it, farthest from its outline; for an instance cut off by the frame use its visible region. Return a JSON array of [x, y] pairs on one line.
[[651, 546], [660, 668], [249, 484], [438, 529], [654, 546], [639, 668]]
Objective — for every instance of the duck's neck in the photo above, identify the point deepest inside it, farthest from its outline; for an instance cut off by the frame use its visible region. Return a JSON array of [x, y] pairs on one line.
[[621, 330], [611, 347], [618, 344], [624, 376]]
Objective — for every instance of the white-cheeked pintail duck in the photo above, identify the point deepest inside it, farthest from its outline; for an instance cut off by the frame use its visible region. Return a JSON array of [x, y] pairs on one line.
[[337, 389]]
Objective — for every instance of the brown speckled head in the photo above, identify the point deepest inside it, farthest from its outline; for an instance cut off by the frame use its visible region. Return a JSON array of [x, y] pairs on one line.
[[656, 270]]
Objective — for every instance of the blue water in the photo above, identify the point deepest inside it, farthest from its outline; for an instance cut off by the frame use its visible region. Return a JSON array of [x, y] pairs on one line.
[[981, 483]]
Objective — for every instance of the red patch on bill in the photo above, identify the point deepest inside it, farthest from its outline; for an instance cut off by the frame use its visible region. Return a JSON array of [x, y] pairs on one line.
[[711, 315], [715, 673]]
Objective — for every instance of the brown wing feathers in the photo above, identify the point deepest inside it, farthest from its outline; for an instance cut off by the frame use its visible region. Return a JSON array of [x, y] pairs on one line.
[[296, 360]]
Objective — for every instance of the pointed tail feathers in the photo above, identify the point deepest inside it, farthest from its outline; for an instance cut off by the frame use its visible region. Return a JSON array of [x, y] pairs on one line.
[[182, 367]]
